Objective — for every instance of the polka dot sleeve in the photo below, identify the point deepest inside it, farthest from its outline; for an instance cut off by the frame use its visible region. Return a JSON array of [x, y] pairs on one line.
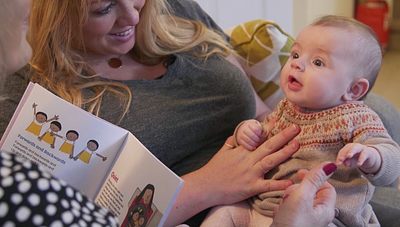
[[30, 196]]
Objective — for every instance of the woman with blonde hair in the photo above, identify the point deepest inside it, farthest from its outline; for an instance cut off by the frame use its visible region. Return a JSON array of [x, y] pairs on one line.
[[162, 70], [158, 69], [30, 196]]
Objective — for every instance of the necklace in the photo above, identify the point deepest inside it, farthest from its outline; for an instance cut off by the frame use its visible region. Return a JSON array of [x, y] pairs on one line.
[[115, 63]]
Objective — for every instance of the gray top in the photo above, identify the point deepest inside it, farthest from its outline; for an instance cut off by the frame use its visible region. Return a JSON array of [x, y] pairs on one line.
[[183, 118]]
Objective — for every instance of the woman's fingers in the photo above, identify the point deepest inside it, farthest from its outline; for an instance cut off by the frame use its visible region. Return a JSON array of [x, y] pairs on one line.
[[271, 185], [274, 159], [270, 154], [276, 142], [310, 203], [315, 179], [229, 144]]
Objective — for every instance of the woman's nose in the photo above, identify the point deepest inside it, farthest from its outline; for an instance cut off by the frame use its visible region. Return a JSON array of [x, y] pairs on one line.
[[129, 16]]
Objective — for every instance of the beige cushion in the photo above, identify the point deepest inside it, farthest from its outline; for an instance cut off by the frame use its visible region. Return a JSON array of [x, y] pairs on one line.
[[264, 49]]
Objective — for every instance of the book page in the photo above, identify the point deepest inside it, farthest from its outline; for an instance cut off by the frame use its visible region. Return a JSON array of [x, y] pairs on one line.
[[71, 143], [137, 171]]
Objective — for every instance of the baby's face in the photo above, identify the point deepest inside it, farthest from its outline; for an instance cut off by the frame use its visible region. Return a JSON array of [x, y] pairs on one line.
[[320, 68]]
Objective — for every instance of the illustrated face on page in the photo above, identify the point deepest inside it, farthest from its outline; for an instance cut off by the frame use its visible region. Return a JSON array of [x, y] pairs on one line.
[[40, 118], [147, 196], [72, 136], [54, 128], [92, 146]]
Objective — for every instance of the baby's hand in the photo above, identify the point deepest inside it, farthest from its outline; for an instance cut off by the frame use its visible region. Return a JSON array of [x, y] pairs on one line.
[[356, 155], [249, 134]]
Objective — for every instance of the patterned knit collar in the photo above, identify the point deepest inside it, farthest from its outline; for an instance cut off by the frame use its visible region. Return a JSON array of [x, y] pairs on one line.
[[306, 110]]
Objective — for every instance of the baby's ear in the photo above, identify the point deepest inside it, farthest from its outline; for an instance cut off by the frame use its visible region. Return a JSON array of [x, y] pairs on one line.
[[356, 90]]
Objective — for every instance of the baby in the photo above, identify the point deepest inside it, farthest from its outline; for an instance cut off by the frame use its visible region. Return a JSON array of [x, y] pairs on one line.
[[333, 64]]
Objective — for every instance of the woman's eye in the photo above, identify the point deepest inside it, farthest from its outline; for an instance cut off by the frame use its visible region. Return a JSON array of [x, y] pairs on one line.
[[319, 63], [106, 9], [295, 55]]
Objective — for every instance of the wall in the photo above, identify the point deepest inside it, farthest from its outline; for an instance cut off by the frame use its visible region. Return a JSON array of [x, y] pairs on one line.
[[306, 11], [229, 13], [291, 15]]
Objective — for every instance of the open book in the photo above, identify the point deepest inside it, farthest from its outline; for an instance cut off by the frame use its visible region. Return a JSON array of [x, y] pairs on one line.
[[104, 161]]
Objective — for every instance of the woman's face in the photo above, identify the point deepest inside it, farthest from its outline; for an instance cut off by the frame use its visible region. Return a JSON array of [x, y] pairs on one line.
[[110, 27], [18, 51]]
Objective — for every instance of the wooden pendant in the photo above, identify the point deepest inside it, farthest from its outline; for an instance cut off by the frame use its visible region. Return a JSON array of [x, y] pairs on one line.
[[115, 63]]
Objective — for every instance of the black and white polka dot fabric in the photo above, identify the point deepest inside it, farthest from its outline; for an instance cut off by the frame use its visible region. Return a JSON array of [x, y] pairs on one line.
[[30, 196]]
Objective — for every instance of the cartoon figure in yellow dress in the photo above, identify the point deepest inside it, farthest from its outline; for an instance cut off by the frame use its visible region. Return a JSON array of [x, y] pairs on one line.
[[50, 135], [39, 118], [89, 150], [69, 144]]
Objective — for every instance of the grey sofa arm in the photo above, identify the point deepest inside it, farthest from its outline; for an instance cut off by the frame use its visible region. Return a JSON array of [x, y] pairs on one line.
[[389, 116]]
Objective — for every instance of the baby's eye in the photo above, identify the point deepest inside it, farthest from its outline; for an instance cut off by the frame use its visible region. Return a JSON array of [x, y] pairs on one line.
[[319, 63], [295, 55]]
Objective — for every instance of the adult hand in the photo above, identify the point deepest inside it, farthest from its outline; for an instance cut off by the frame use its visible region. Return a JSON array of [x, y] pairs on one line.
[[234, 174], [310, 203]]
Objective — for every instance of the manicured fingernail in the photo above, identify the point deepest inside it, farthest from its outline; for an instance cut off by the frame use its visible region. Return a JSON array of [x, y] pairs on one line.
[[329, 168], [293, 128], [285, 197]]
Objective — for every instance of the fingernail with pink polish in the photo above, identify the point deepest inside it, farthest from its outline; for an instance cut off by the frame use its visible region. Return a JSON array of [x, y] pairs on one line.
[[329, 168]]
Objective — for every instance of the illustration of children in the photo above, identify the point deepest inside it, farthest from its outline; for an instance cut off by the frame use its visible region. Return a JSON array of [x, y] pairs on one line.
[[90, 149], [39, 118], [50, 135], [136, 217], [141, 222], [69, 144], [142, 202]]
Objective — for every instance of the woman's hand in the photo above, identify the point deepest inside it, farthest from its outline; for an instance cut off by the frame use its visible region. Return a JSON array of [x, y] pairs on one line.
[[237, 174], [234, 174], [310, 203]]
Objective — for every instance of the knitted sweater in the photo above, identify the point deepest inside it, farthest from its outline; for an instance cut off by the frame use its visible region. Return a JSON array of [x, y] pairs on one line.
[[323, 134]]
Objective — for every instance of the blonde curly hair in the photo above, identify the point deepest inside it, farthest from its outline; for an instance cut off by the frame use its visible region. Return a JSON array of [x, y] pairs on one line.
[[56, 27]]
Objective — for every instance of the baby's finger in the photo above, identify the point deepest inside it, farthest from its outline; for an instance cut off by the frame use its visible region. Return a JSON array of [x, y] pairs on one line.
[[361, 159], [351, 162], [340, 160]]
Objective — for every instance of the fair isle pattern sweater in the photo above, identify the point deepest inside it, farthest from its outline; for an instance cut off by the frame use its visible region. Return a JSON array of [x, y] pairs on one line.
[[323, 134]]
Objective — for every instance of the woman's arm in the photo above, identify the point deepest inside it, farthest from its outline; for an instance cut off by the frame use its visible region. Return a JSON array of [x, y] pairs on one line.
[[232, 175], [262, 110]]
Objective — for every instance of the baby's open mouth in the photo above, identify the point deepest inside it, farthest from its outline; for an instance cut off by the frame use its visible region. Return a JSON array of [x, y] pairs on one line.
[[293, 80]]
